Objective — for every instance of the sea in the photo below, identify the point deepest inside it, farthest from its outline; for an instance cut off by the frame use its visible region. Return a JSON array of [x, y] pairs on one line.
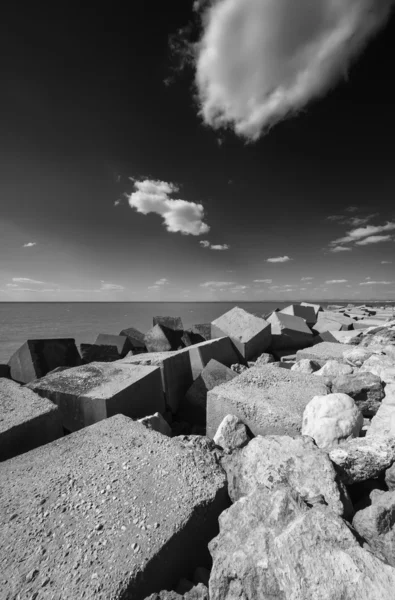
[[83, 321]]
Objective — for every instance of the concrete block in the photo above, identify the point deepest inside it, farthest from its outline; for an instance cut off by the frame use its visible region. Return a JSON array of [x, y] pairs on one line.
[[203, 329], [157, 423], [289, 331], [193, 405], [162, 339], [316, 307], [345, 337], [180, 368], [90, 393], [26, 420], [325, 336], [270, 401], [174, 323], [113, 511], [121, 342], [4, 371], [307, 313], [323, 352], [136, 338], [250, 334], [36, 358], [93, 353], [332, 321]]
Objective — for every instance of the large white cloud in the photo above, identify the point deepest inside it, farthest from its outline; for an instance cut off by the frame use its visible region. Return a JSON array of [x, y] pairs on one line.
[[260, 60], [152, 196]]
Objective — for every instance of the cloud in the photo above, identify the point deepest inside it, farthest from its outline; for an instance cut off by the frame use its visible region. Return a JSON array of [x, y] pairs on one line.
[[352, 209], [263, 280], [307, 279], [151, 196], [13, 285], [238, 288], [362, 232], [370, 282], [110, 287], [340, 249], [386, 262], [27, 280], [117, 202], [352, 221], [217, 284], [206, 244], [373, 239], [259, 61], [278, 259], [30, 244], [337, 281], [162, 281]]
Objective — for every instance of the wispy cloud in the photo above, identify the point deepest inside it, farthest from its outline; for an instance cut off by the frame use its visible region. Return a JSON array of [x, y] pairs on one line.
[[263, 280], [386, 262], [207, 244], [278, 259], [307, 279], [352, 221], [110, 287], [337, 281], [354, 235], [217, 284], [260, 61], [336, 249], [27, 280], [162, 281], [151, 196], [370, 282], [351, 209], [373, 239], [238, 289], [30, 244]]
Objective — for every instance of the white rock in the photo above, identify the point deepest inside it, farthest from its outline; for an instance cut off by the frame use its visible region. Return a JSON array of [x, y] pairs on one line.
[[357, 356], [332, 419], [383, 422], [333, 368], [231, 434], [381, 365], [305, 366], [389, 397]]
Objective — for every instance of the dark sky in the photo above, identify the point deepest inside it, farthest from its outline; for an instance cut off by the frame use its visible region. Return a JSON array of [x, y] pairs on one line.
[[84, 107]]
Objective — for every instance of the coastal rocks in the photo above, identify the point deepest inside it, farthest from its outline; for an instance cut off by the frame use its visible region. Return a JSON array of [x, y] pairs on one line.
[[306, 366], [26, 420], [332, 321], [376, 525], [103, 353], [381, 365], [136, 339], [157, 423], [365, 388], [162, 339], [357, 356], [331, 419], [361, 459], [90, 393], [264, 359], [173, 323], [271, 460], [271, 545], [250, 334], [231, 434], [316, 307], [267, 400], [333, 369], [110, 510], [289, 331], [323, 352], [307, 313], [383, 422], [36, 358], [121, 342]]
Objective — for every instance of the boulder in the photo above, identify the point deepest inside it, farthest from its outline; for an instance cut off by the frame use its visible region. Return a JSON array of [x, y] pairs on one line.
[[264, 359], [356, 356], [289, 332], [250, 334], [90, 393], [306, 366], [366, 390], [193, 406], [92, 353], [26, 420], [174, 323], [361, 459], [162, 339], [121, 342], [157, 423], [389, 391], [333, 369], [381, 365], [198, 592], [271, 460], [231, 434], [112, 511], [390, 477], [346, 337], [383, 422], [307, 313], [375, 524], [136, 339], [36, 358], [321, 353], [267, 400], [271, 545], [332, 419]]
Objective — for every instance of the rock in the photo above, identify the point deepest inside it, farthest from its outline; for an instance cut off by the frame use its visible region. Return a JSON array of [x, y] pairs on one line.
[[365, 388], [162, 339], [231, 434], [383, 422], [121, 342], [289, 331], [332, 419], [36, 358], [382, 366], [356, 356], [145, 506], [361, 459], [93, 353], [184, 586], [271, 460], [333, 369], [90, 393], [307, 313], [264, 359], [250, 334], [390, 478], [306, 366], [199, 592], [321, 353], [271, 545], [238, 368], [201, 575], [174, 323], [202, 329], [375, 524], [316, 307], [5, 371], [325, 336], [136, 339], [180, 368], [332, 321], [26, 420], [267, 400], [193, 406], [157, 423], [389, 391]]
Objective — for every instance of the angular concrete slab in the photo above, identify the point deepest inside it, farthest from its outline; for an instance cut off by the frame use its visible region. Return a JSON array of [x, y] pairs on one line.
[[121, 342], [180, 368], [162, 339], [4, 371], [289, 331], [325, 336], [307, 313], [250, 334], [36, 358], [174, 323], [26, 420], [113, 511], [90, 393], [136, 338], [323, 352], [269, 401], [103, 353], [332, 321], [317, 307]]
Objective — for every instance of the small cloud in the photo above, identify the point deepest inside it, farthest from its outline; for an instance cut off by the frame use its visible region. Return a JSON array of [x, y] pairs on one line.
[[110, 287], [335, 218], [117, 202], [217, 284], [307, 279], [13, 285], [206, 244], [386, 262], [337, 281], [376, 282], [351, 209], [27, 280], [238, 288], [359, 233], [153, 287], [263, 280], [30, 244], [374, 239], [162, 281], [340, 249], [278, 259]]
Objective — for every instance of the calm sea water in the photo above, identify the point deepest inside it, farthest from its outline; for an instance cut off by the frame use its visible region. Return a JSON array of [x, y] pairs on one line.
[[85, 320]]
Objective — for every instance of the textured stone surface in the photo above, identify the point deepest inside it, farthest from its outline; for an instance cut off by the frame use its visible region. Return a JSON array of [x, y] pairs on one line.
[[332, 321], [26, 420], [271, 460], [333, 369], [90, 393], [307, 313], [316, 307], [267, 400], [250, 334], [93, 353], [383, 422], [306, 366], [174, 323], [332, 419], [157, 423], [264, 359], [113, 511], [366, 390], [271, 546], [162, 339], [289, 331], [231, 434], [376, 525], [361, 459], [136, 338], [381, 365], [356, 356], [323, 352], [121, 342]]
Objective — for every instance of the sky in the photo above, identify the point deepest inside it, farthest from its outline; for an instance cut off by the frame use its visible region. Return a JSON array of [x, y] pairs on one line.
[[263, 170]]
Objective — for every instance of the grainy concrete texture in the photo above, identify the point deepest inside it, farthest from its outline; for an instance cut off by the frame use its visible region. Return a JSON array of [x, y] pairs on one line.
[[121, 342], [26, 420], [90, 393], [289, 331], [250, 334], [323, 352], [112, 512]]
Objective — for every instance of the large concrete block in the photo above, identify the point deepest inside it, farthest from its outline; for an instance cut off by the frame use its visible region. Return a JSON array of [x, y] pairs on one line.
[[180, 368], [90, 393], [332, 321], [115, 511], [317, 307], [174, 323], [307, 313], [289, 331], [136, 338], [269, 401], [121, 342], [103, 353], [26, 420], [162, 339], [250, 334], [36, 358], [323, 352]]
